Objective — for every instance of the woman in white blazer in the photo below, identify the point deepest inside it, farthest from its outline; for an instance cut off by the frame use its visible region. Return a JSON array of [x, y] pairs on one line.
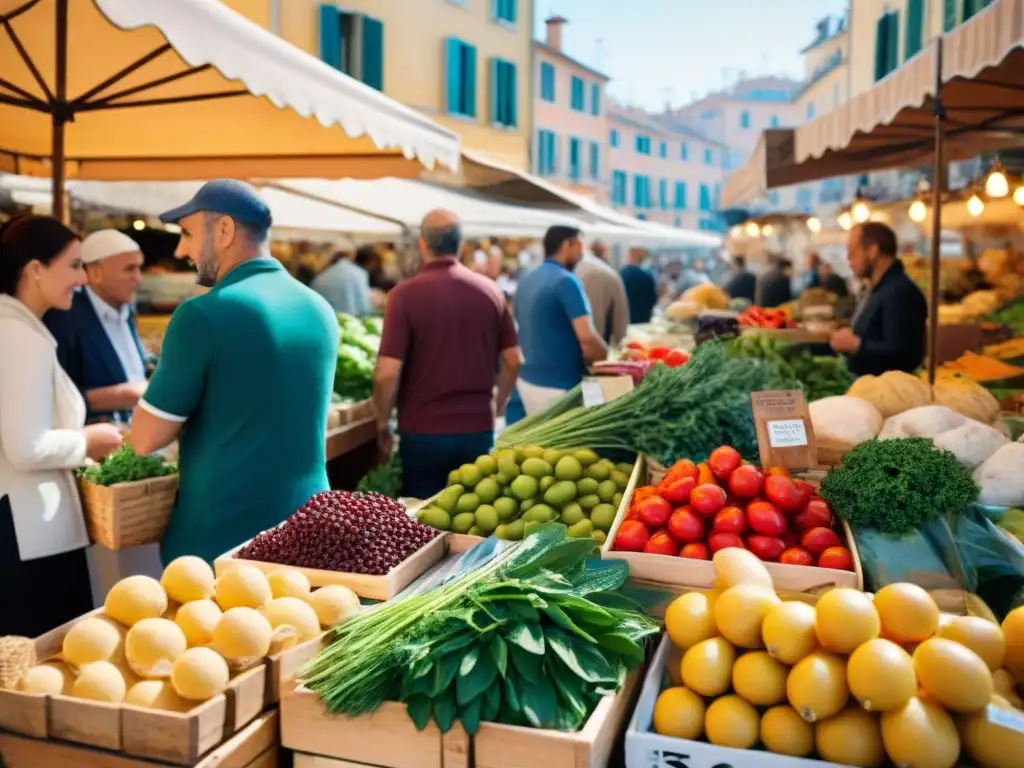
[[42, 434]]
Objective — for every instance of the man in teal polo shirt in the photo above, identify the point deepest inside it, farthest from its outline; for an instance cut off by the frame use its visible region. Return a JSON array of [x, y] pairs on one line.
[[245, 377]]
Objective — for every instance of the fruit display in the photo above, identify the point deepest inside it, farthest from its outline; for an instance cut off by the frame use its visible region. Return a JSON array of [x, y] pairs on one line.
[[362, 533], [850, 679], [511, 492], [699, 509], [760, 317], [174, 643], [640, 352]]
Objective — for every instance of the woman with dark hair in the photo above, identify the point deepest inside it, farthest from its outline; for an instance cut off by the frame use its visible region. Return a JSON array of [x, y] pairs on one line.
[[42, 434]]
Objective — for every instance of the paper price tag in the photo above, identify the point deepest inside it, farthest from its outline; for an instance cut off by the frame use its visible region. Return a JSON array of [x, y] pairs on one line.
[[593, 395], [1005, 718], [787, 433]]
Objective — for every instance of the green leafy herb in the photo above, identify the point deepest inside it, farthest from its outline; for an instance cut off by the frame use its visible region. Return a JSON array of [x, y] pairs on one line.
[[385, 479], [794, 366], [897, 485], [126, 466], [357, 355]]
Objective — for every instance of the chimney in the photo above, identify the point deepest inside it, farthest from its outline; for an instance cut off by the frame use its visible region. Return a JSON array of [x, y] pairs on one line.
[[555, 24]]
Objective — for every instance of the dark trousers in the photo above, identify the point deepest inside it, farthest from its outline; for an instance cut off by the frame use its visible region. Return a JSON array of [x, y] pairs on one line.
[[41, 594], [427, 459]]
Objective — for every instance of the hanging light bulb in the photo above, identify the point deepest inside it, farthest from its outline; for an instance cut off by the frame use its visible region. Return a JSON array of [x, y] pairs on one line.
[[767, 230], [814, 224], [138, 225], [1018, 195], [975, 206], [753, 230], [918, 211], [861, 212], [996, 184], [845, 221], [735, 231]]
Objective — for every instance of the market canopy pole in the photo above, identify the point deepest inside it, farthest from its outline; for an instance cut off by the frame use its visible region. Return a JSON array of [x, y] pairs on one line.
[[938, 185]]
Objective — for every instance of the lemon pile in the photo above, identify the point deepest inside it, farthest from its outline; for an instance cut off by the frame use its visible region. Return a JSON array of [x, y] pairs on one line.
[[853, 679], [173, 643]]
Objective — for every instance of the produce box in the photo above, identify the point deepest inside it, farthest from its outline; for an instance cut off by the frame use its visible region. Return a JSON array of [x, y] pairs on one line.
[[646, 749], [687, 572], [509, 746], [255, 746], [371, 587], [128, 514], [181, 738]]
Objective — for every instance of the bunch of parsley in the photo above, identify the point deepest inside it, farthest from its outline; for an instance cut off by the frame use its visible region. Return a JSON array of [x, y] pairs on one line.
[[897, 485]]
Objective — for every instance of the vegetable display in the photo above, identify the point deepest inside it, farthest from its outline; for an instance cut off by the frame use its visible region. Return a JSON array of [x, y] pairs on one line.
[[532, 636], [126, 466], [896, 485], [512, 492], [849, 679], [818, 376], [760, 317], [673, 413], [697, 510], [357, 354], [385, 479], [340, 531]]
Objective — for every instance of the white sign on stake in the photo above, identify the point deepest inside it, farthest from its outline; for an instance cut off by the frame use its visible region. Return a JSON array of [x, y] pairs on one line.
[[593, 395], [787, 433]]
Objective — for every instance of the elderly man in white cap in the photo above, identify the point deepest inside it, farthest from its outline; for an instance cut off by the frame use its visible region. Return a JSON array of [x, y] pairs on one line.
[[97, 339]]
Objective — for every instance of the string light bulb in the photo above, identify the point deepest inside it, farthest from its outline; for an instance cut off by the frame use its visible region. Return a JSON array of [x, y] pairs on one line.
[[918, 211], [814, 224], [767, 230], [138, 225], [845, 221], [861, 212], [975, 206], [753, 230], [996, 185], [1018, 195]]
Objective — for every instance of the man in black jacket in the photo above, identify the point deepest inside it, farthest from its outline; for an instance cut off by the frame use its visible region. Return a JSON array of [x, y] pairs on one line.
[[742, 284], [889, 326], [776, 287]]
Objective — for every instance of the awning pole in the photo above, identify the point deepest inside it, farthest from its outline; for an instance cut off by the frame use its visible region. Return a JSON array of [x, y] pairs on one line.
[[59, 109], [938, 187]]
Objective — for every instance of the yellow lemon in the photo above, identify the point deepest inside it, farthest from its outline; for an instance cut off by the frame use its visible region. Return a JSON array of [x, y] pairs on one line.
[[907, 612], [759, 679], [784, 732], [920, 734], [982, 636], [852, 737], [732, 722], [816, 686], [679, 713], [953, 675], [881, 675], [740, 612], [707, 666], [690, 618], [788, 631], [844, 619]]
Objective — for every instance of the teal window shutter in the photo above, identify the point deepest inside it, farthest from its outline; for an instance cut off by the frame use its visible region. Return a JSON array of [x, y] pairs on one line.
[[547, 81], [453, 76], [511, 11], [330, 35], [595, 160], [684, 151], [497, 92], [970, 7], [373, 53], [469, 79], [595, 100], [511, 95], [893, 40], [881, 47], [950, 18], [915, 28], [663, 194]]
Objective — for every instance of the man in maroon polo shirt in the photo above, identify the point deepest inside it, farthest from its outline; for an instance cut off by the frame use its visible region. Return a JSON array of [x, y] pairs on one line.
[[450, 355]]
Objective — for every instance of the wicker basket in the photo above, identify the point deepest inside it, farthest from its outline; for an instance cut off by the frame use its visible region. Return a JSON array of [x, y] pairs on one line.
[[128, 514]]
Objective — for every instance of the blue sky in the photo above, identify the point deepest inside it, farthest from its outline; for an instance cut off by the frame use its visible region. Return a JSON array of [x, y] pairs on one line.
[[658, 50]]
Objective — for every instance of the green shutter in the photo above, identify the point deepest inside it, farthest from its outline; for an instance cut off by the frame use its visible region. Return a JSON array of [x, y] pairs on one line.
[[496, 90], [970, 7], [893, 39], [469, 79], [881, 46], [330, 35], [949, 15], [915, 28], [510, 11], [373, 53], [511, 96], [453, 75]]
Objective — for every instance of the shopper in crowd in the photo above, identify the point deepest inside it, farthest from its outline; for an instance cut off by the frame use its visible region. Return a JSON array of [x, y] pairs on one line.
[[447, 332], [742, 284], [371, 261], [345, 284], [606, 294], [889, 326], [244, 380], [694, 275], [775, 288], [97, 340], [641, 286], [42, 434], [555, 325], [812, 277], [830, 281]]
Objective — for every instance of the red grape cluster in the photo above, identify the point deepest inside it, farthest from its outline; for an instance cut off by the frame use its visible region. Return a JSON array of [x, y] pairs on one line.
[[340, 531]]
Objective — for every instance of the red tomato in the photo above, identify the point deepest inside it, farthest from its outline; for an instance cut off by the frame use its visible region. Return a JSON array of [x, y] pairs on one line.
[[661, 544], [765, 519], [724, 461], [658, 353], [696, 551], [817, 540], [816, 514], [766, 547], [677, 493], [719, 541], [706, 500], [782, 492], [805, 488], [838, 558], [704, 474], [679, 470], [654, 512], [686, 526], [632, 536], [676, 358], [778, 472], [746, 482], [796, 556], [730, 520], [635, 345]]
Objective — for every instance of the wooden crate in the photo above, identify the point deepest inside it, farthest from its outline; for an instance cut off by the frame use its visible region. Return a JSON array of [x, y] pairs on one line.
[[128, 514], [509, 746], [371, 587], [174, 737], [255, 746], [684, 572]]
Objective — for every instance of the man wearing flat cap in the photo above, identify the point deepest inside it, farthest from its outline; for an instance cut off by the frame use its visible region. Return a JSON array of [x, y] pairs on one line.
[[97, 339], [245, 377]]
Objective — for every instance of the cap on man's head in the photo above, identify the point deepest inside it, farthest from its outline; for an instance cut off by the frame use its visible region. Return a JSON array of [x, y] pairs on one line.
[[227, 197], [106, 243]]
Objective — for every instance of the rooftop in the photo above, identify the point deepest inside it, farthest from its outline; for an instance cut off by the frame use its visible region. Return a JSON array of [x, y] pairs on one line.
[[541, 45], [827, 29]]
